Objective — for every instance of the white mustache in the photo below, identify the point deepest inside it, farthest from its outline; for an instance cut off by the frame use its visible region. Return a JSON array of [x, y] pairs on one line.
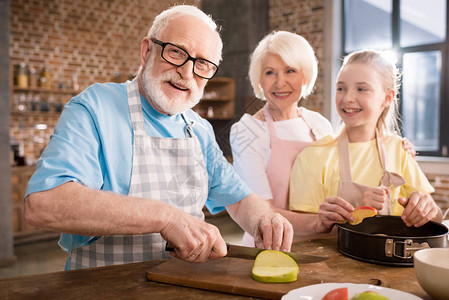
[[175, 78]]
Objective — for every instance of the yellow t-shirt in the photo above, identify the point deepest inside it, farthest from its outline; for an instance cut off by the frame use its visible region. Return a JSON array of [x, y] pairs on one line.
[[316, 172]]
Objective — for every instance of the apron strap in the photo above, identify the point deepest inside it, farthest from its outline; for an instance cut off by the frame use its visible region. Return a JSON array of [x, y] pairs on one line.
[[388, 178], [301, 115], [345, 163], [272, 129], [270, 123], [381, 151], [135, 108]]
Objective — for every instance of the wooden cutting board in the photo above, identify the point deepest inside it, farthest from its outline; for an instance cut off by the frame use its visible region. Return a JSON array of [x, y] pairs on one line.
[[233, 275]]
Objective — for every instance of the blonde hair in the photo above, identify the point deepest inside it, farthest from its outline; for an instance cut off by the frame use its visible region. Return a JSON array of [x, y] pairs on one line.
[[294, 50], [391, 77]]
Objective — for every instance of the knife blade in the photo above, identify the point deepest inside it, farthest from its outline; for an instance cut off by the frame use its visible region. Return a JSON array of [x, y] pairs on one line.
[[251, 253]]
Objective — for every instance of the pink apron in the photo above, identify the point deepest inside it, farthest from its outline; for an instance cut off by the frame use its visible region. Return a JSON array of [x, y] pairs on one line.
[[282, 157], [351, 191]]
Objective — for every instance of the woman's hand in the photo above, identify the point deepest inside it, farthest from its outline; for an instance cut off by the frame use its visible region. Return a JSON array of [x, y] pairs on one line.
[[375, 197], [409, 147], [419, 209], [334, 210]]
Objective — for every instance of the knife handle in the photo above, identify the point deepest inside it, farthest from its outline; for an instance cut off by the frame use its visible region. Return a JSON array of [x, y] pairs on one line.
[[169, 247]]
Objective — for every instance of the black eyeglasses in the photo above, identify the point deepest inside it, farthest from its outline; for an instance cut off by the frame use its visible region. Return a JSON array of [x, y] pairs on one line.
[[177, 56]]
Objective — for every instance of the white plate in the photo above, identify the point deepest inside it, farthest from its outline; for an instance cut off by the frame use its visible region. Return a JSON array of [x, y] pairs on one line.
[[318, 291]]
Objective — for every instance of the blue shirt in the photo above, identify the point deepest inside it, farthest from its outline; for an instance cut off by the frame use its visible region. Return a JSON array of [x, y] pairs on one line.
[[93, 145]]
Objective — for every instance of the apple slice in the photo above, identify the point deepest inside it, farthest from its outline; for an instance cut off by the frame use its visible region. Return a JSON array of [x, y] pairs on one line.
[[361, 213], [337, 294], [274, 266], [369, 295]]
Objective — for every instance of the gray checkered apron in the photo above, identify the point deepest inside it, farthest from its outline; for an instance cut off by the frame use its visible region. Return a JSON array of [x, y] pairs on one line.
[[165, 169]]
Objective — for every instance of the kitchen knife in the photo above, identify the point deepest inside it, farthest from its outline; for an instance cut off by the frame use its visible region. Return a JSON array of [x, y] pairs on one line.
[[251, 253]]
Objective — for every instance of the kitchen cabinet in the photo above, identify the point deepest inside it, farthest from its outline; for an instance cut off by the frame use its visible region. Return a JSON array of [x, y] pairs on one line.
[[22, 232], [34, 112], [218, 102]]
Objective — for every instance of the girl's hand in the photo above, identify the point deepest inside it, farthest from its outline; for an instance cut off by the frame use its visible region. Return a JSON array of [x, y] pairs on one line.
[[409, 147], [375, 197], [334, 210], [419, 209]]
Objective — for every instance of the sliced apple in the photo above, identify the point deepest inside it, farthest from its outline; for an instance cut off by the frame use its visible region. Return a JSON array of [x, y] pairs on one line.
[[274, 266], [361, 213], [337, 294], [369, 295]]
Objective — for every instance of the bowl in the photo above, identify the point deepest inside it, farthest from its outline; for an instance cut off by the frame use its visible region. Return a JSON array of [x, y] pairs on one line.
[[432, 271]]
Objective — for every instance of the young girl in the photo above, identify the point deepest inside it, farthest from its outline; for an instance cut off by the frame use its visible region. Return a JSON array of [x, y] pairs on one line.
[[366, 165]]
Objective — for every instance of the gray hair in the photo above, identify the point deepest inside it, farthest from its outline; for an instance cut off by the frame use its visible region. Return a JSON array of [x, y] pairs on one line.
[[162, 20]]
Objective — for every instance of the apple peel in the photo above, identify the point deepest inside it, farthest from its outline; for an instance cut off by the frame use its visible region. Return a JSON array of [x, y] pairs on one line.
[[362, 212], [369, 295], [337, 294]]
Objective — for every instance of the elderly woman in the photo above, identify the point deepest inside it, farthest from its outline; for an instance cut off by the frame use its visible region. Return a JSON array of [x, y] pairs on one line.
[[283, 69]]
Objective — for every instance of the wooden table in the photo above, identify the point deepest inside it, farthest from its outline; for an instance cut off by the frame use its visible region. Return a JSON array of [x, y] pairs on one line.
[[129, 281]]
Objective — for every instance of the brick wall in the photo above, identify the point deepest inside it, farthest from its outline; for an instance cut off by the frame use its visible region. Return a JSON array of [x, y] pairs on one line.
[[441, 185], [306, 18], [93, 39], [99, 41]]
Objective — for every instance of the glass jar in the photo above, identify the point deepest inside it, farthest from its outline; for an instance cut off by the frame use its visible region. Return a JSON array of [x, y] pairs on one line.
[[51, 102], [36, 102], [22, 76], [43, 105], [33, 78], [59, 104], [45, 79]]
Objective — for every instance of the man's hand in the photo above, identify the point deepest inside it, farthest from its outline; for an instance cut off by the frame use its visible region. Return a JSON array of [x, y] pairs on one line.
[[273, 232], [334, 210], [269, 228], [194, 240], [419, 209], [375, 197]]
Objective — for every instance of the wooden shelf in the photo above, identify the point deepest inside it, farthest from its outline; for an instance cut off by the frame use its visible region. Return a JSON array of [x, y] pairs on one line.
[[218, 99], [43, 90], [20, 175], [54, 114], [59, 98]]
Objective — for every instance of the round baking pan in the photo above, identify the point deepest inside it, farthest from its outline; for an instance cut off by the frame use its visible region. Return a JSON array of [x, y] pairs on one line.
[[386, 240]]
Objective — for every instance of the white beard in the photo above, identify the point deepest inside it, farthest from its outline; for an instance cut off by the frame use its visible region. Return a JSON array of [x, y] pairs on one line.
[[174, 105]]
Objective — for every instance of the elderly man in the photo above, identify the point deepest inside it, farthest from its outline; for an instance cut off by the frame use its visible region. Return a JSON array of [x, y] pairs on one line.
[[131, 166]]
